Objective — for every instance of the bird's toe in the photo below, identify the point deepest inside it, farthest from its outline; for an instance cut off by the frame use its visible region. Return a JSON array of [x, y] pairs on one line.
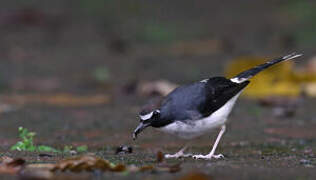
[[208, 157], [200, 156], [218, 156]]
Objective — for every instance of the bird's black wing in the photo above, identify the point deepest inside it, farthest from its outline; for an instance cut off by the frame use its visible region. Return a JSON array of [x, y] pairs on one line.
[[219, 91], [198, 100]]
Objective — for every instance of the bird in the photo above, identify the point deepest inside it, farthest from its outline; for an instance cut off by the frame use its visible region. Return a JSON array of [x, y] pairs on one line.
[[195, 109]]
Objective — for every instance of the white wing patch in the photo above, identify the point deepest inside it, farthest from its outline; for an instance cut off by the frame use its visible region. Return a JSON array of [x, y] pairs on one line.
[[204, 81], [147, 116], [239, 80]]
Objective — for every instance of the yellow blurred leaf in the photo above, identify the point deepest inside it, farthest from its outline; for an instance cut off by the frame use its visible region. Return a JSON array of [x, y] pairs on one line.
[[310, 89], [279, 80]]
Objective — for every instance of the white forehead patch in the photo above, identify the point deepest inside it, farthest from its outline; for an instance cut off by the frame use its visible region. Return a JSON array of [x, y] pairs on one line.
[[146, 116]]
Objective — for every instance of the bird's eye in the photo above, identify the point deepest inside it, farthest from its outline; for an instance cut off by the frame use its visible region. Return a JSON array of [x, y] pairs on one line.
[[156, 113]]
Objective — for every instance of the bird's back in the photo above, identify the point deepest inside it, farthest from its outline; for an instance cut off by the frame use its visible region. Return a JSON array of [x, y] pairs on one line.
[[200, 99]]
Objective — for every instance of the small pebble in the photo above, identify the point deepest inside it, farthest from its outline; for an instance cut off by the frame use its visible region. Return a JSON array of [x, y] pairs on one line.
[[73, 152], [124, 150], [45, 155], [305, 161]]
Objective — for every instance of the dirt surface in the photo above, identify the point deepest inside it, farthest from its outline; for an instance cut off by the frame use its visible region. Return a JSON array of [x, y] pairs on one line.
[[106, 48]]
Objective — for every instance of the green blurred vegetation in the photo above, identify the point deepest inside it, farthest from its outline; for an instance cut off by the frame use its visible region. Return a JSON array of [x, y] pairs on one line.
[[304, 14], [26, 144]]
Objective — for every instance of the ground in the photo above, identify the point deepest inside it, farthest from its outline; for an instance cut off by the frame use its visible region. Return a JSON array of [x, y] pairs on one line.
[[78, 49]]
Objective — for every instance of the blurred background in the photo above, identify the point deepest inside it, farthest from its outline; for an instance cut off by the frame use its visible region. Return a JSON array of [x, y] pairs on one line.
[[77, 72]]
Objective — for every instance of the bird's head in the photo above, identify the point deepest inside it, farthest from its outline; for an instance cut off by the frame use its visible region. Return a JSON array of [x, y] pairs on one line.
[[146, 119]]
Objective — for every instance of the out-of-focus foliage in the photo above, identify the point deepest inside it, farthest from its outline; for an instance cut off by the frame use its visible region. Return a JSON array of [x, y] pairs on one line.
[[101, 74], [280, 80], [303, 12], [26, 143]]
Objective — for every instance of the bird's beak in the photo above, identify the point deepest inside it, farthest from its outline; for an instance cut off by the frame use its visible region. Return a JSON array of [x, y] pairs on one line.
[[139, 129]]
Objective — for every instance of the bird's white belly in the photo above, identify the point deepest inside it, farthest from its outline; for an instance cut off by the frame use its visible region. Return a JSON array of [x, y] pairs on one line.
[[195, 128]]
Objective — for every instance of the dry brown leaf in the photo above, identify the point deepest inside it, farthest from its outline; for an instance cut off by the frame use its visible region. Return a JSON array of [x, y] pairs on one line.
[[41, 166], [160, 87], [87, 163], [62, 99], [160, 157], [90, 163], [168, 168], [11, 166], [144, 168], [278, 101], [36, 173], [311, 65], [310, 89], [195, 176], [5, 159]]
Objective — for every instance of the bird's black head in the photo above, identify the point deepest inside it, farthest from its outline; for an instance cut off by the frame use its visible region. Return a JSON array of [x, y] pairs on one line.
[[147, 119]]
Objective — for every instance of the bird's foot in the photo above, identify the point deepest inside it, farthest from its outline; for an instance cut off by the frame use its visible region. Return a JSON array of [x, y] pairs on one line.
[[208, 156], [177, 155]]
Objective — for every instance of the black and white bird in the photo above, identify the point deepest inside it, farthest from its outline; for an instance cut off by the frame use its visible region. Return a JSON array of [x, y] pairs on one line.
[[192, 110]]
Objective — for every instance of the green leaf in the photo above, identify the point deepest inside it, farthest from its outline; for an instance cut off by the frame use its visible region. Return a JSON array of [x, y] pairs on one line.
[[17, 146], [83, 148], [43, 148], [31, 148], [67, 149]]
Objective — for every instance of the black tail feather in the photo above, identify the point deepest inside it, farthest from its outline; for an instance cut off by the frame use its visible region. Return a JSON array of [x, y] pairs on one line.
[[245, 75]]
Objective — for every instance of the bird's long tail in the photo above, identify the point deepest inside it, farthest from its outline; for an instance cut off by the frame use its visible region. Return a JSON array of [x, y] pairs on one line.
[[245, 75]]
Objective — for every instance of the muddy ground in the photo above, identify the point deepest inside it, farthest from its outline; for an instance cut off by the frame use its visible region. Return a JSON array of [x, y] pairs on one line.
[[83, 48]]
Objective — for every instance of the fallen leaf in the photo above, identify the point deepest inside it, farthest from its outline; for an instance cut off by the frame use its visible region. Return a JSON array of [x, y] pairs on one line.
[[310, 89], [168, 168], [160, 87], [311, 65], [47, 166], [86, 163], [160, 157], [280, 80], [43, 171], [144, 168], [56, 99], [279, 101], [36, 173], [90, 163], [5, 159], [11, 166], [152, 104], [195, 176], [282, 106]]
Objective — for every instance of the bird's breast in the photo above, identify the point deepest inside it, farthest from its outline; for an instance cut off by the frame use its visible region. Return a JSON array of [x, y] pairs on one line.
[[193, 128]]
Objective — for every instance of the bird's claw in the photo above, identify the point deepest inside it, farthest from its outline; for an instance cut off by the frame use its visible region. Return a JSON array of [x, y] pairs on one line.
[[177, 155], [208, 157]]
